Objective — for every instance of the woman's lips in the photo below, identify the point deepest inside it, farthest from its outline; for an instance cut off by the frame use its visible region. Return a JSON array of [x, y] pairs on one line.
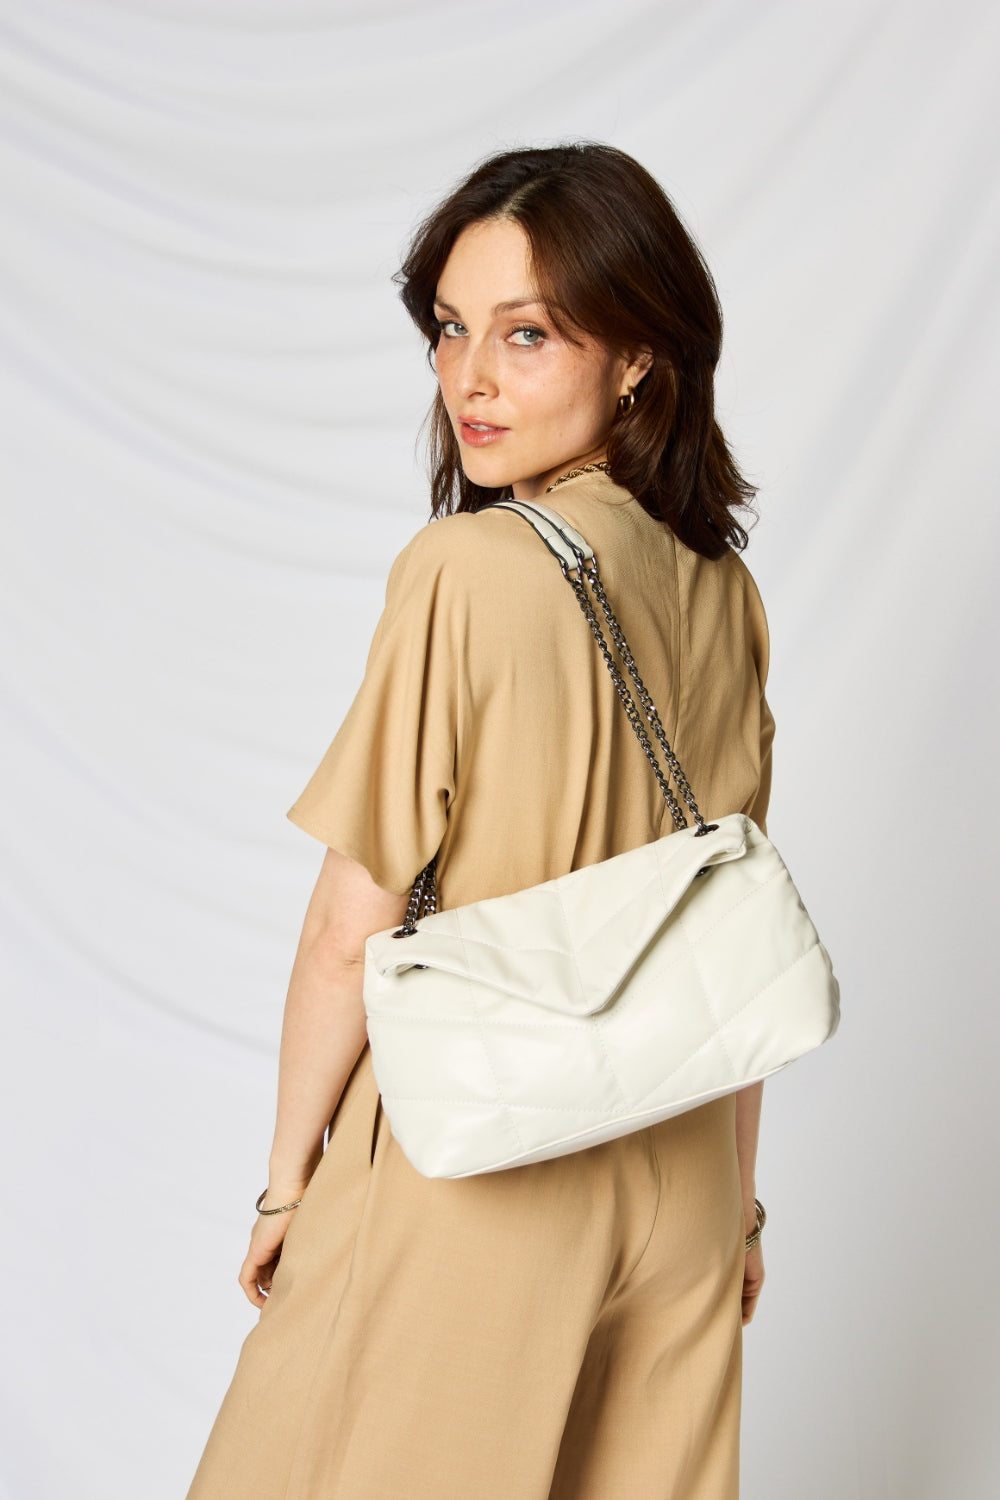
[[479, 434]]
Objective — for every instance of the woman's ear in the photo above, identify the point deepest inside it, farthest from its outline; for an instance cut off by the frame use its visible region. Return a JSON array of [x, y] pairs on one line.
[[642, 363]]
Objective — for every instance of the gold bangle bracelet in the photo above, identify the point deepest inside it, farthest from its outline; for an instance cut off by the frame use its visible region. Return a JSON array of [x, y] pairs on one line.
[[761, 1221], [282, 1210]]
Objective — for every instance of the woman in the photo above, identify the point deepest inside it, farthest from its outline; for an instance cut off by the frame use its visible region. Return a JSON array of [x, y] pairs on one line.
[[570, 1328]]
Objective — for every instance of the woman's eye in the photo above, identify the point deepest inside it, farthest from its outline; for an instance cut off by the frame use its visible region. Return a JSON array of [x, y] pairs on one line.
[[527, 337], [450, 328]]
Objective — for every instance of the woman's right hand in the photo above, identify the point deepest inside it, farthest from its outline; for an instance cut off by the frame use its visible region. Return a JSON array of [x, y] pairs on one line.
[[266, 1239], [753, 1280]]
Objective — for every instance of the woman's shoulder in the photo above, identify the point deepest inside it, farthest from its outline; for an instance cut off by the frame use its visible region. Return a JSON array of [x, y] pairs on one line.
[[727, 576], [468, 549], [747, 606], [746, 585], [722, 592]]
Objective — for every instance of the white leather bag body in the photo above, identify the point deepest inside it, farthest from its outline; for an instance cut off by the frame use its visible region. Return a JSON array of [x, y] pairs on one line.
[[530, 1025]]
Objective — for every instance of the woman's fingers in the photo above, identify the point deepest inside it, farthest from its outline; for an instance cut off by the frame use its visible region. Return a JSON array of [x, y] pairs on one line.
[[257, 1270], [753, 1281], [248, 1281]]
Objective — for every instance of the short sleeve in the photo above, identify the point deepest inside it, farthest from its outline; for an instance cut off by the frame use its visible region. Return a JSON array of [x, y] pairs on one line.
[[380, 795], [759, 639], [762, 801]]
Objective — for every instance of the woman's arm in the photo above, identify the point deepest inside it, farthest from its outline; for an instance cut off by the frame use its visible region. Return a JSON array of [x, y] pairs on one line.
[[748, 1102], [323, 1034]]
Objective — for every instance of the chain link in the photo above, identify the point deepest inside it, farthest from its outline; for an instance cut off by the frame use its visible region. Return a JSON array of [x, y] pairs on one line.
[[423, 899], [649, 707], [579, 588]]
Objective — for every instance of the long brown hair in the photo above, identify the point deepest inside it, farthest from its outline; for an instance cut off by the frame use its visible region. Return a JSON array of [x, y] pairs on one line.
[[611, 259]]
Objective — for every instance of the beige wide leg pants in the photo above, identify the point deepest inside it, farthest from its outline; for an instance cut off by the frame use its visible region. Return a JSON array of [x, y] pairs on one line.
[[568, 1330]]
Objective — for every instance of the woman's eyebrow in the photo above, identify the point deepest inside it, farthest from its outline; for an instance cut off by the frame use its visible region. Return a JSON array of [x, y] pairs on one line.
[[501, 307], [518, 302]]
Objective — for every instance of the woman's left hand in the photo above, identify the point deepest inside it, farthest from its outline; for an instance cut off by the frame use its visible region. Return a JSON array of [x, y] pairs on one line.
[[266, 1239], [753, 1280]]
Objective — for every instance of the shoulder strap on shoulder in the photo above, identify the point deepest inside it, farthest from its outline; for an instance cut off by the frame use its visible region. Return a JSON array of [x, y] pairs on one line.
[[567, 545], [572, 551]]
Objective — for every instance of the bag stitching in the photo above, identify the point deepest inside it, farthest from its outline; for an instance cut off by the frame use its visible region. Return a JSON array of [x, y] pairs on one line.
[[596, 1019], [566, 1023], [505, 1107], [578, 1022], [640, 989], [561, 952], [655, 874], [762, 886], [713, 1018], [637, 990], [753, 998]]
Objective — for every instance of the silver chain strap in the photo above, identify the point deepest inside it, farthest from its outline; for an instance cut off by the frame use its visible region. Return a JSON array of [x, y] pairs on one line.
[[649, 707], [579, 588], [589, 573], [423, 896], [423, 899]]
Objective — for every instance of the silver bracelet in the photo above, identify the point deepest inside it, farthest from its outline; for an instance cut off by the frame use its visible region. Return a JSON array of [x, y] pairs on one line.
[[761, 1221], [282, 1210]]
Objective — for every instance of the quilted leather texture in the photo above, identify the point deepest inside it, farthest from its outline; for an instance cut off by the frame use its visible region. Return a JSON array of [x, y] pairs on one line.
[[530, 1025]]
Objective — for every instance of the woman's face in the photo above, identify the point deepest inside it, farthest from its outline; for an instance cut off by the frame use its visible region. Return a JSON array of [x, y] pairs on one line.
[[525, 404]]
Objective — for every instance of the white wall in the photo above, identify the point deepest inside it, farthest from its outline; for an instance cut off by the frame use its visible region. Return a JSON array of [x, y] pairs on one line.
[[209, 398]]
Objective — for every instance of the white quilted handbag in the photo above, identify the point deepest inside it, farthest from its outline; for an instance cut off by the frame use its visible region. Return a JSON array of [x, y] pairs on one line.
[[534, 1024]]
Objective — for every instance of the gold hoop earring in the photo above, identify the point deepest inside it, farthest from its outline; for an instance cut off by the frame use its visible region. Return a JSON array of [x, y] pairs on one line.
[[626, 403]]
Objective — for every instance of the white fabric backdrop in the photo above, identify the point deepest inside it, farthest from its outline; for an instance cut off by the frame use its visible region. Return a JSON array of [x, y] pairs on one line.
[[210, 398]]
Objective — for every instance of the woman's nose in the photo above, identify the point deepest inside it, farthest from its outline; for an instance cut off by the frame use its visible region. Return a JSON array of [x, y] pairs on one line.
[[476, 373]]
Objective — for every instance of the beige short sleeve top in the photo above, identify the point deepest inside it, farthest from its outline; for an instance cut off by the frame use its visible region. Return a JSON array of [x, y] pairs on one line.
[[487, 729]]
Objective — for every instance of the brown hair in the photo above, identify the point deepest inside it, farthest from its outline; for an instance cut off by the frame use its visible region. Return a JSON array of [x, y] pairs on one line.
[[610, 259]]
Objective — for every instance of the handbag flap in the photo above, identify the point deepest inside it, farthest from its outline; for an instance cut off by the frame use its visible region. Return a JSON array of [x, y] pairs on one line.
[[567, 944]]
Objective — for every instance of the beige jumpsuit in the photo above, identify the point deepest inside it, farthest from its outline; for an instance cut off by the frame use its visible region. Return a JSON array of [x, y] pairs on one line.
[[568, 1330]]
